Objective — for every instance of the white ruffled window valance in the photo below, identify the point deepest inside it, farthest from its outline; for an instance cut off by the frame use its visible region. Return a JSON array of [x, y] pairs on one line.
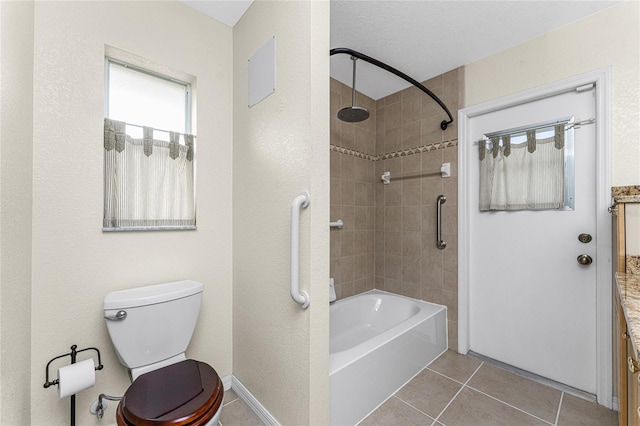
[[148, 183], [524, 176]]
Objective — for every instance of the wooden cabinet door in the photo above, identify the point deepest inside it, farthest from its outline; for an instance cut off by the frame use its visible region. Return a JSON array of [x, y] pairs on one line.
[[634, 404], [632, 386], [620, 346]]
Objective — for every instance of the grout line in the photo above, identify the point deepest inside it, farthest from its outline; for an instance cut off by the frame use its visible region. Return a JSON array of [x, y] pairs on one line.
[[395, 394], [230, 402], [561, 387], [444, 375], [509, 405], [559, 408], [417, 409], [459, 390]]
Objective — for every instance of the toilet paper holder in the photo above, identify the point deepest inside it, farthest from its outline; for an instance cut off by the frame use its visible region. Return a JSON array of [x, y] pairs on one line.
[[73, 354]]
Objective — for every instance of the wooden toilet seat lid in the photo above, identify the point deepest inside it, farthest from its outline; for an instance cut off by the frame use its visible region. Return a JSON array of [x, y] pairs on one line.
[[188, 392]]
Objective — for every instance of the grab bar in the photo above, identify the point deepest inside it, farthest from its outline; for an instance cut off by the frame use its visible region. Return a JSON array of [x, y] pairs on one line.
[[444, 171], [439, 202], [301, 201]]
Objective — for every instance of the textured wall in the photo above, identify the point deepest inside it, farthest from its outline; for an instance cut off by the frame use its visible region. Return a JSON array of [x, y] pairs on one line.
[[280, 148], [16, 140], [608, 39], [75, 264]]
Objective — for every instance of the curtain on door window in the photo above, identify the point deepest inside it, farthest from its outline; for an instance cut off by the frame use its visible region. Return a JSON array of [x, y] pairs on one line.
[[522, 176], [148, 183]]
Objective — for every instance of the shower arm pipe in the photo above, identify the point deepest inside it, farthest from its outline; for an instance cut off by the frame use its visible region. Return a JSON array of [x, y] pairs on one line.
[[353, 79], [443, 125]]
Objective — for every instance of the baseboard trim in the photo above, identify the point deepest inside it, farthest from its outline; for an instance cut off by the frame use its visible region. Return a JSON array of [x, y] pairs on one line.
[[226, 381], [255, 406]]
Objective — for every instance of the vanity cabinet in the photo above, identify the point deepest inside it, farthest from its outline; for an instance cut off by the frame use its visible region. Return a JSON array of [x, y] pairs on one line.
[[620, 359], [628, 371], [633, 415], [627, 375], [626, 306]]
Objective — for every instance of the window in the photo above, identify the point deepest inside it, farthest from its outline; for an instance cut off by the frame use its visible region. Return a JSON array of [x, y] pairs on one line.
[[141, 97], [528, 168], [149, 151]]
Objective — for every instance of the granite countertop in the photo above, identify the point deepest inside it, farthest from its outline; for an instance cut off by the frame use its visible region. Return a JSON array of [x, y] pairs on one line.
[[629, 290], [626, 194]]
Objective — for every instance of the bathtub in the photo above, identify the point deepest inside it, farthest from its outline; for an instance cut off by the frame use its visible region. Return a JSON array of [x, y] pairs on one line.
[[378, 342]]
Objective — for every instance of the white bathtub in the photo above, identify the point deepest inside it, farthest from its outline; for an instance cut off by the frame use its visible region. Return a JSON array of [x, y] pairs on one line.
[[378, 342]]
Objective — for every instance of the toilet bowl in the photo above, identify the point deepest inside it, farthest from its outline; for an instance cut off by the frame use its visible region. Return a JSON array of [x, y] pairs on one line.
[[150, 328], [187, 393]]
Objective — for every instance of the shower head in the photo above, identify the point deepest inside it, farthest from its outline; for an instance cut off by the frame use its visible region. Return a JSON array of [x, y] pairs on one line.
[[353, 114]]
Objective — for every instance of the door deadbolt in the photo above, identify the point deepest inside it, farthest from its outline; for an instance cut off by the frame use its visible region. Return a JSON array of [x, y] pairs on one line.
[[585, 259], [584, 238]]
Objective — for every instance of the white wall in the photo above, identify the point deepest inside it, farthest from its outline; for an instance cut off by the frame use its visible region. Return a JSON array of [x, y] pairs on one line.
[[16, 137], [281, 147], [632, 229], [75, 264], [608, 39]]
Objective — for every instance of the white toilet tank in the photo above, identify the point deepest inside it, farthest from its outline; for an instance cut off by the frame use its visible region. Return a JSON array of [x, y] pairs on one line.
[[159, 322]]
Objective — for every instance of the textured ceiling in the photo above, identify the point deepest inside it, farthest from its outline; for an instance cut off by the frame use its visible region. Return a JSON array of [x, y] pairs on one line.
[[228, 12], [424, 38]]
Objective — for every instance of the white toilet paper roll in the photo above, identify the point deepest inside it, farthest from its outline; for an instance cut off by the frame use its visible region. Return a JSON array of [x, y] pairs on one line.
[[76, 377]]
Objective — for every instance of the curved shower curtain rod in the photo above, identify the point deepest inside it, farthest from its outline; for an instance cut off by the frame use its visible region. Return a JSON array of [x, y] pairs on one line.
[[443, 124]]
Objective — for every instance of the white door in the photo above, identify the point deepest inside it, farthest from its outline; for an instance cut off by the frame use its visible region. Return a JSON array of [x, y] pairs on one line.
[[531, 304]]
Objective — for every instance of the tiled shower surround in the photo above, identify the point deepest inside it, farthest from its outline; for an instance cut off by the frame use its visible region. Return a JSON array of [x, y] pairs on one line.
[[388, 241]]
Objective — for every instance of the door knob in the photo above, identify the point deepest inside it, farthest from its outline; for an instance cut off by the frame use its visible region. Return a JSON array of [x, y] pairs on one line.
[[584, 238], [585, 259]]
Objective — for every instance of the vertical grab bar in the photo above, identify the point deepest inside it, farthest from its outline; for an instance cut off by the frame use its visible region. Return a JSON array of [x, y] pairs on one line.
[[439, 202], [301, 201]]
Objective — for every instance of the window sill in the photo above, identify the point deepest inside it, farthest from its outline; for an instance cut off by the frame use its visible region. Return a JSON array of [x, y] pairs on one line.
[[151, 228]]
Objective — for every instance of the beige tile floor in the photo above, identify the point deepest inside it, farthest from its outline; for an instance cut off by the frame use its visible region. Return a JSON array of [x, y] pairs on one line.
[[236, 413], [457, 390]]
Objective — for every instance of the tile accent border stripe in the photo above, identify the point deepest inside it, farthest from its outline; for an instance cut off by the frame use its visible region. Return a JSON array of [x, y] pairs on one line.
[[401, 153], [355, 153], [424, 148]]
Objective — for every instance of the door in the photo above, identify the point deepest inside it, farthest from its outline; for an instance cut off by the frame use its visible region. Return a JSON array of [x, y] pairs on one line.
[[532, 305]]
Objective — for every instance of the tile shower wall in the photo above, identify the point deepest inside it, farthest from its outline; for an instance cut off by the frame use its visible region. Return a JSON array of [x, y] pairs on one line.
[[396, 222], [352, 195], [407, 259]]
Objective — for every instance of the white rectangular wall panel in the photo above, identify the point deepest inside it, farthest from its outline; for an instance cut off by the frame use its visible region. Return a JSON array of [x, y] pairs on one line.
[[262, 72]]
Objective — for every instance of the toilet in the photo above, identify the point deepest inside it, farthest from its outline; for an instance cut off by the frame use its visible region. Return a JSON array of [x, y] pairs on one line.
[[150, 328]]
